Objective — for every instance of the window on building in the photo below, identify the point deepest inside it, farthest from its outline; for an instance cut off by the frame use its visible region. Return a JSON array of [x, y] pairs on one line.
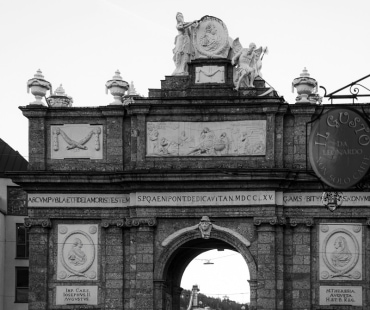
[[22, 241], [21, 284]]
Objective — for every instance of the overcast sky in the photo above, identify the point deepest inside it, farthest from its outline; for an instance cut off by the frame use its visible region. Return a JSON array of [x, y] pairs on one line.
[[81, 43]]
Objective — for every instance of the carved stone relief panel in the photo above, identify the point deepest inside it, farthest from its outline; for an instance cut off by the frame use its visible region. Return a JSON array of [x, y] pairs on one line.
[[210, 74], [233, 138], [211, 38], [76, 141], [340, 252], [77, 252]]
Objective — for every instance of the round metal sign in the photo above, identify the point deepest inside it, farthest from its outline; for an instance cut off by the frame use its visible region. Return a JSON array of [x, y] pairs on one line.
[[339, 148]]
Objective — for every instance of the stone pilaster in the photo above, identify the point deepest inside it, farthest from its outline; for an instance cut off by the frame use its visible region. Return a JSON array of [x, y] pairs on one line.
[[141, 139], [302, 115], [113, 260], [301, 263], [176, 295], [138, 138], [38, 262], [114, 141], [253, 297], [280, 264], [144, 268], [270, 132], [159, 294], [139, 257], [266, 258], [37, 136]]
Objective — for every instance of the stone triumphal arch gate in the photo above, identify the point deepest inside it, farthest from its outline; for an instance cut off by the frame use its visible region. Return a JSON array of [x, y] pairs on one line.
[[122, 197]]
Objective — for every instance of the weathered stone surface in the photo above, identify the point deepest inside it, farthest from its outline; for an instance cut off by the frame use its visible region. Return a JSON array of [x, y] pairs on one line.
[[134, 266]]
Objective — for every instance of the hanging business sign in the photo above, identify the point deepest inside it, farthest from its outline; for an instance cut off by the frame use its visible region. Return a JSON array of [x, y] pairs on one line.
[[339, 147]]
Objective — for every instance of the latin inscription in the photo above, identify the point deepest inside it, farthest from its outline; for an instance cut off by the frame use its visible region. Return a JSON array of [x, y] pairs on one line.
[[341, 295], [314, 199], [78, 200], [81, 295], [205, 198]]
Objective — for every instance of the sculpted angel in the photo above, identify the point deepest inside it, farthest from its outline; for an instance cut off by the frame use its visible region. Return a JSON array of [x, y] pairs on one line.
[[248, 63]]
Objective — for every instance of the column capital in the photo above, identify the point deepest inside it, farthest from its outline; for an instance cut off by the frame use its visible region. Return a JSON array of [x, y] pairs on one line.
[[272, 220], [105, 223], [309, 222], [43, 222], [136, 221]]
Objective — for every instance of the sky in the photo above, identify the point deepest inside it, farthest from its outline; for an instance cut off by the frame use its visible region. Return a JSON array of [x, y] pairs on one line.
[[225, 273], [81, 43]]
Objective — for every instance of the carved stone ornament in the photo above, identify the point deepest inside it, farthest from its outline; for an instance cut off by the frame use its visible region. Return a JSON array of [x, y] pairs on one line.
[[77, 252], [39, 86], [306, 88], [113, 222], [211, 38], [59, 99], [272, 220], [76, 141], [130, 222], [205, 226], [341, 252], [117, 87], [304, 221], [332, 200], [210, 74], [29, 222], [229, 138]]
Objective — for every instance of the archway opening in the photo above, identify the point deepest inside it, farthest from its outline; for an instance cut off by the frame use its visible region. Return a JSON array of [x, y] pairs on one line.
[[195, 250], [222, 275]]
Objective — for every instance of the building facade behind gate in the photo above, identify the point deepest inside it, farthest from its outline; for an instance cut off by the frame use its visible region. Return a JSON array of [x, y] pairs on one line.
[[122, 197]]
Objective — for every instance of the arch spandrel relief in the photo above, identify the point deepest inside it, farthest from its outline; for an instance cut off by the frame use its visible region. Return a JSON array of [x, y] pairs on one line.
[[234, 138], [77, 252], [340, 252]]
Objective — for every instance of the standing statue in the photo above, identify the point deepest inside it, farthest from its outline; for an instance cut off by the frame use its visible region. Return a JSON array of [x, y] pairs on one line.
[[183, 50], [248, 63]]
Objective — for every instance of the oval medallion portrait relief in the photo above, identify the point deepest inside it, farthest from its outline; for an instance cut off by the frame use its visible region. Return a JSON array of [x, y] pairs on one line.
[[211, 38], [78, 253], [341, 253]]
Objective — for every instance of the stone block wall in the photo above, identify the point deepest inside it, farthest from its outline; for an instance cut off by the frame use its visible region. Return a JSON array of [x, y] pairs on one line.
[[278, 239]]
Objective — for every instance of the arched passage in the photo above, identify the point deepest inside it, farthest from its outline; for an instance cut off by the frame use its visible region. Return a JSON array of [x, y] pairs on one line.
[[177, 255]]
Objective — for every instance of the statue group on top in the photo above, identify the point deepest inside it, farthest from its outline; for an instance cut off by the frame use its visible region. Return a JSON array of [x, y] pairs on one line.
[[208, 38]]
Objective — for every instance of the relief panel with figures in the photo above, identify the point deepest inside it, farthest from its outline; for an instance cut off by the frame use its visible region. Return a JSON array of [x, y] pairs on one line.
[[234, 138]]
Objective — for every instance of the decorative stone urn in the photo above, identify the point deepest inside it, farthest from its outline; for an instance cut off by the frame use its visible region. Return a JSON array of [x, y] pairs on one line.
[[117, 87], [59, 99], [306, 87], [131, 94], [39, 86]]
